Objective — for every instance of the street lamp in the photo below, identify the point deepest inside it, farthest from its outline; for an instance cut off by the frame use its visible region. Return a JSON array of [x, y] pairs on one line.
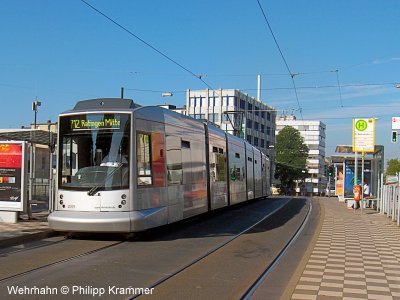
[[35, 105]]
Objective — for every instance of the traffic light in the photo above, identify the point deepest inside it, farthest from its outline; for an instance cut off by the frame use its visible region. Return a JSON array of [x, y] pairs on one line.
[[394, 136], [331, 170]]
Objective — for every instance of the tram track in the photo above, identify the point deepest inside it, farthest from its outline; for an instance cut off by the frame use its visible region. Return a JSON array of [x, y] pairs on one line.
[[250, 292], [208, 253], [159, 257], [55, 262], [247, 289], [67, 238]]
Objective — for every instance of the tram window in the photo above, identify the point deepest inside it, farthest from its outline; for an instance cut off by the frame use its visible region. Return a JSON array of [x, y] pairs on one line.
[[220, 168], [185, 144], [174, 160], [143, 159], [236, 174]]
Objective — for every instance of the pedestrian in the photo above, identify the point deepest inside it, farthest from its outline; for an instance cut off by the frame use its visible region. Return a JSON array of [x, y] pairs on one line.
[[366, 193], [356, 204]]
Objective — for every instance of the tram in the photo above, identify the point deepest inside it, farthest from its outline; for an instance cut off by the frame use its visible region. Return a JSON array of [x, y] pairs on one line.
[[126, 168]]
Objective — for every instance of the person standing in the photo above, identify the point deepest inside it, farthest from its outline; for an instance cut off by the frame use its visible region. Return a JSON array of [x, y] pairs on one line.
[[366, 193]]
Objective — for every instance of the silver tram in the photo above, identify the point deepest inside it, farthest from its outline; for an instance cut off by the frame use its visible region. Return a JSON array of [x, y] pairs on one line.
[[127, 168]]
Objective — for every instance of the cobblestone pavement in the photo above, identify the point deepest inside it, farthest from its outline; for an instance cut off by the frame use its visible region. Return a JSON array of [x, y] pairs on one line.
[[356, 256]]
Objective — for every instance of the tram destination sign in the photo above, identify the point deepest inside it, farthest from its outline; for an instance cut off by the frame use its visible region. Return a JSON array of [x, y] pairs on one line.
[[93, 122]]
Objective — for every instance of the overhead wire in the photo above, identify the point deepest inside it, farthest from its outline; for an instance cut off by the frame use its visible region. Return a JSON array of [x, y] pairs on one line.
[[338, 84], [326, 86], [153, 91], [282, 56], [199, 77]]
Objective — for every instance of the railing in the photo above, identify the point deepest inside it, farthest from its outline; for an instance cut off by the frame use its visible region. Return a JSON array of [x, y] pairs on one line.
[[388, 202], [42, 193]]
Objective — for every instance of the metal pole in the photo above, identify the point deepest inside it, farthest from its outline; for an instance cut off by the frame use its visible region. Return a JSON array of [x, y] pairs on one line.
[[362, 180], [355, 168], [31, 178], [381, 194]]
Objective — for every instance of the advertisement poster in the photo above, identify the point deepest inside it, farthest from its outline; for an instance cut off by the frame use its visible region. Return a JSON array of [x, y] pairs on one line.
[[349, 175], [339, 180], [12, 183]]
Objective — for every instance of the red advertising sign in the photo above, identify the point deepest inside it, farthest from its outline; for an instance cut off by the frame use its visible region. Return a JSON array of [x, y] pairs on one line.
[[11, 175]]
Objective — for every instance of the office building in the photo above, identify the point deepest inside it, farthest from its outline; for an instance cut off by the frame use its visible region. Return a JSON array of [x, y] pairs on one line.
[[236, 113], [313, 133]]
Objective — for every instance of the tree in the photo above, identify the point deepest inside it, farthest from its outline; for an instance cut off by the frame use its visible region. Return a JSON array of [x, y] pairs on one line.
[[291, 158], [393, 167]]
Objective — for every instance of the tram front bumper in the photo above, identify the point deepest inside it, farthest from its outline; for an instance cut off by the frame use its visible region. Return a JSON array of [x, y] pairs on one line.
[[131, 221]]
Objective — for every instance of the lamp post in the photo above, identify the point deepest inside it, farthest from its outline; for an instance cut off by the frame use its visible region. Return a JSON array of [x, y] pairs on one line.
[[32, 164], [35, 105]]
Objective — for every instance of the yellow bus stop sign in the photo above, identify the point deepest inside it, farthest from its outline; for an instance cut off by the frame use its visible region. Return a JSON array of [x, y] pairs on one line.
[[364, 135]]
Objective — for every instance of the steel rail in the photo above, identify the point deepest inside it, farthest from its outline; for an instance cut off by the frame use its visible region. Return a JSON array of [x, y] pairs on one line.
[[249, 293], [60, 262], [208, 253]]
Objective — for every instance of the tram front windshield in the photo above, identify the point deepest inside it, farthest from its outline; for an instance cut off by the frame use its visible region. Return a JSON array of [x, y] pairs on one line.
[[94, 152]]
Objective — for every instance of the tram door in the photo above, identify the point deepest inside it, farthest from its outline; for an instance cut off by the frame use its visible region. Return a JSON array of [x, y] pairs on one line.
[[174, 178], [250, 172]]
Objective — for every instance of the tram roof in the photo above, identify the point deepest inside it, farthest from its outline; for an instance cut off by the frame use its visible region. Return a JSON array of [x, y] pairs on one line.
[[105, 104]]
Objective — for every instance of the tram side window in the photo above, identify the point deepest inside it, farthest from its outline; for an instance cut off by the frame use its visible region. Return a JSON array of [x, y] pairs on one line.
[[174, 160], [69, 159], [217, 164], [144, 159]]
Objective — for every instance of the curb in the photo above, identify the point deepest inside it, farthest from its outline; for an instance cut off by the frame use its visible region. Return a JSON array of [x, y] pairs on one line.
[[26, 238]]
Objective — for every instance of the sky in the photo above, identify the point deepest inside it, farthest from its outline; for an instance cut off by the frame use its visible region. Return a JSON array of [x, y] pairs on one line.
[[343, 56]]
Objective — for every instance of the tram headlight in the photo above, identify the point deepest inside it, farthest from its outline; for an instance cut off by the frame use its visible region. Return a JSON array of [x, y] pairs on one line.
[[61, 196], [123, 196], [123, 202], [61, 202]]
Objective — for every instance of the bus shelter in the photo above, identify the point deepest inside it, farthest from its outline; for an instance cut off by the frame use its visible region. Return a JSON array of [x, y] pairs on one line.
[[370, 168], [37, 173]]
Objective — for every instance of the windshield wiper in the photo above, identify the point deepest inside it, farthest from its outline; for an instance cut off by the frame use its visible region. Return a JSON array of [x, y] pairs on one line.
[[95, 188]]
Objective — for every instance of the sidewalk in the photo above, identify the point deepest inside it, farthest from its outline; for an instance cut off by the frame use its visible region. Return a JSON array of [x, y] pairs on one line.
[[356, 256], [25, 230]]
